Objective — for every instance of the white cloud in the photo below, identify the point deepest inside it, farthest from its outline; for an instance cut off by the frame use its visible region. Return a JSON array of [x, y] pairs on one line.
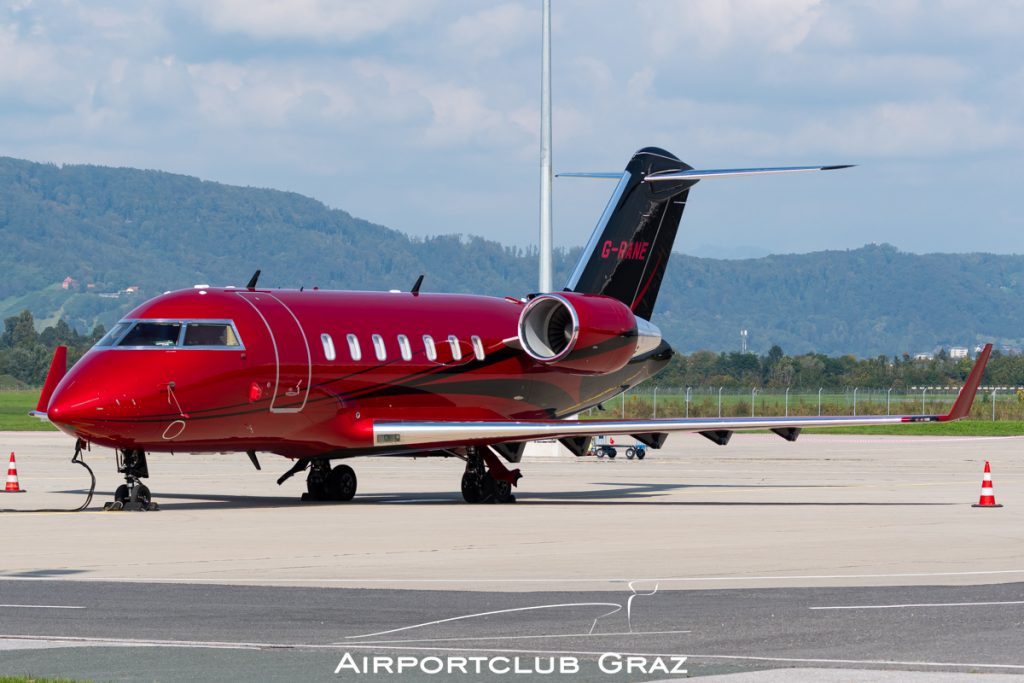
[[715, 27], [324, 20], [493, 31]]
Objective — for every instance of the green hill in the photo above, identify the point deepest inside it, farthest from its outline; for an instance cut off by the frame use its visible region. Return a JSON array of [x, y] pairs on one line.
[[110, 229]]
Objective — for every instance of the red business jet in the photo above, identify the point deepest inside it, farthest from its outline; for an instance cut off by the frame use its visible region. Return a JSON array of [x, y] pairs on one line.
[[319, 376]]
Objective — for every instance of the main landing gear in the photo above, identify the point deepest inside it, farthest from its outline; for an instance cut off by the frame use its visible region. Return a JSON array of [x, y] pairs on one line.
[[491, 485], [324, 482], [132, 495]]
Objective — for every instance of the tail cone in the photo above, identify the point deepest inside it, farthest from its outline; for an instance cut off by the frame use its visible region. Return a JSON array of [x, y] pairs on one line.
[[988, 498]]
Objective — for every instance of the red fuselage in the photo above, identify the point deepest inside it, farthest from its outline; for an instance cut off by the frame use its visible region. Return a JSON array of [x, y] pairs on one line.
[[284, 376]]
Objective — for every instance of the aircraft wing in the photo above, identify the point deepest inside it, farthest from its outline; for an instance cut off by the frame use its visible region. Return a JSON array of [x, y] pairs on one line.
[[444, 433]]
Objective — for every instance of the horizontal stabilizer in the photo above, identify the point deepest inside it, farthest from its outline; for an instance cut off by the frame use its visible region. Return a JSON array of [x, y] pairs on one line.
[[697, 174]]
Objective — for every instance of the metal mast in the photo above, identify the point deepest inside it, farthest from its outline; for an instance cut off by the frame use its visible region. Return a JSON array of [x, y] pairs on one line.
[[545, 154]]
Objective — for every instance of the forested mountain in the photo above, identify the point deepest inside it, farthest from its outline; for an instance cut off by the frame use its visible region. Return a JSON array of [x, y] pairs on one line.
[[110, 230]]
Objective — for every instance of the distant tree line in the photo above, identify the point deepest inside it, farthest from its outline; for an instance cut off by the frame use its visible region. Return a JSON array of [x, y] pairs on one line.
[[25, 354], [25, 357], [812, 370]]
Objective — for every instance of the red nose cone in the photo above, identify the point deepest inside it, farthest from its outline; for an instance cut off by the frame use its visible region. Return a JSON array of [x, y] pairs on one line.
[[69, 407]]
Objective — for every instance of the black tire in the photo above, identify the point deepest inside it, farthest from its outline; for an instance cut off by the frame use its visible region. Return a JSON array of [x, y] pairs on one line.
[[316, 490], [502, 492], [121, 494], [599, 452], [471, 489], [142, 495], [611, 452], [341, 484], [640, 453], [630, 452]]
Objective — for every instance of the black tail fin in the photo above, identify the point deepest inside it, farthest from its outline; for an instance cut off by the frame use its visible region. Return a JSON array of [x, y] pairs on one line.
[[629, 250]]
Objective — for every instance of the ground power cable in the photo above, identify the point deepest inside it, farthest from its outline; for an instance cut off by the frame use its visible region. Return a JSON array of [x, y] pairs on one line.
[[79, 459]]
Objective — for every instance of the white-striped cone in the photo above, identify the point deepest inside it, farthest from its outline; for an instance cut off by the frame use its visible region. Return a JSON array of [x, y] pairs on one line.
[[988, 498], [12, 477]]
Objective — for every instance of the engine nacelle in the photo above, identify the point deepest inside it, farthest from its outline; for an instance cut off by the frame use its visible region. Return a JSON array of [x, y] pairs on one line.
[[584, 333]]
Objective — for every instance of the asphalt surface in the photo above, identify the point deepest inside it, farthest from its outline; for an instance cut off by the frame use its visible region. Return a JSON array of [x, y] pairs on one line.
[[235, 578], [175, 632]]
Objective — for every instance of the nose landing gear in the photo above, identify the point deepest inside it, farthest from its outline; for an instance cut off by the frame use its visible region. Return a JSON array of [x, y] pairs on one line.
[[132, 495]]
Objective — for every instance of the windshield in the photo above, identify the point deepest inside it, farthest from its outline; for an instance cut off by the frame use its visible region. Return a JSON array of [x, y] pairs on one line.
[[198, 334], [110, 337], [152, 334], [210, 334]]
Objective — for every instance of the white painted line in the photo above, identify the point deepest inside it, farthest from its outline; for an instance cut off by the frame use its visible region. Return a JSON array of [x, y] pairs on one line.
[[45, 606], [924, 604], [267, 580], [488, 614], [347, 646], [504, 638]]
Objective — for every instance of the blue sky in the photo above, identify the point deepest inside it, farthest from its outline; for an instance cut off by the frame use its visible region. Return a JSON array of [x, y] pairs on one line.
[[423, 115]]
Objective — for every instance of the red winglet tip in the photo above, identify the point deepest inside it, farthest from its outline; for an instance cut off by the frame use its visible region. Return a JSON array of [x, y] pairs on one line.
[[58, 368], [965, 399]]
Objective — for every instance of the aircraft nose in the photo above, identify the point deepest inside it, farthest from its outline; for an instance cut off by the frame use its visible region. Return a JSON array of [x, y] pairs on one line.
[[68, 406]]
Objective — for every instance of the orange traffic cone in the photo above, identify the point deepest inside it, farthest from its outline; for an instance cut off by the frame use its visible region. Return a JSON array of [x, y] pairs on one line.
[[988, 498], [12, 477]]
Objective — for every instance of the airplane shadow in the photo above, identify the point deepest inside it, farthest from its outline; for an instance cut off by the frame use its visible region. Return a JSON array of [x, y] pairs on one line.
[[632, 494]]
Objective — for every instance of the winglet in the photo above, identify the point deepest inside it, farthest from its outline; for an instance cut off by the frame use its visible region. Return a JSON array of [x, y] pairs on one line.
[[58, 366], [965, 398]]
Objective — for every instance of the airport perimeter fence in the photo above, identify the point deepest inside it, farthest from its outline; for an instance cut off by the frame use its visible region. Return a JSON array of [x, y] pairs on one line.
[[990, 403]]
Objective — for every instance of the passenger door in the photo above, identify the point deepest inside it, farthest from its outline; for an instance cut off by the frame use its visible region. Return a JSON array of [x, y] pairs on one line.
[[291, 352]]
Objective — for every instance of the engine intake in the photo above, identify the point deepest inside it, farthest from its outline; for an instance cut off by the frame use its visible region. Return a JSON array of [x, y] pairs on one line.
[[585, 333]]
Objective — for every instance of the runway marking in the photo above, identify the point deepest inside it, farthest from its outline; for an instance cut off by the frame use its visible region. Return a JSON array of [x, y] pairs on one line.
[[923, 604], [45, 606], [549, 635], [488, 614], [265, 581], [227, 645]]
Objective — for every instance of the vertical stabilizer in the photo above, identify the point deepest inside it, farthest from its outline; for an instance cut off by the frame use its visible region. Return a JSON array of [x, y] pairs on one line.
[[631, 245]]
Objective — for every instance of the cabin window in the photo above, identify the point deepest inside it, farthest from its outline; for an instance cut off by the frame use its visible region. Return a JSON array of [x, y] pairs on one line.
[[404, 347], [210, 334], [110, 338], [379, 348], [328, 343], [453, 341], [353, 347], [429, 348], [152, 334], [478, 347]]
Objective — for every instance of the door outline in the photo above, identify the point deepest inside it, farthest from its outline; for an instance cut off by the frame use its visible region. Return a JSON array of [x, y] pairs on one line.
[[277, 356]]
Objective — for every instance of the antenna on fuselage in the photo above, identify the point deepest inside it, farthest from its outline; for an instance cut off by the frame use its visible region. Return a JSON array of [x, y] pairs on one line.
[[252, 281], [416, 287]]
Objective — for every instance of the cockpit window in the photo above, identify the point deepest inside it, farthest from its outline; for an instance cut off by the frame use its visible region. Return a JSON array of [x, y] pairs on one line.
[[110, 338], [210, 334], [152, 334]]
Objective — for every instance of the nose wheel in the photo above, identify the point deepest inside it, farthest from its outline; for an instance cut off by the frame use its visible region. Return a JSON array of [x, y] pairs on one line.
[[133, 494]]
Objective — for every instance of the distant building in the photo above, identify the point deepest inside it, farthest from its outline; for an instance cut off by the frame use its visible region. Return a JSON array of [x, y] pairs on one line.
[[69, 283], [91, 285], [958, 352], [924, 356], [131, 290]]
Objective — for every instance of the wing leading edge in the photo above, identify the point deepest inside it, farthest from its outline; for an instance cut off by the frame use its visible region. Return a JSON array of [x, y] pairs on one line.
[[440, 433]]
